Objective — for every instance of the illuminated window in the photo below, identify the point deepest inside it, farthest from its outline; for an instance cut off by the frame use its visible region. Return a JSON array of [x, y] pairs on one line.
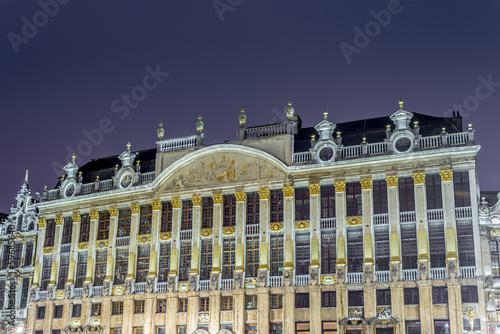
[[226, 303], [124, 218], [96, 310], [229, 210], [495, 261], [204, 304], [302, 204], [253, 202], [228, 257], [117, 308], [251, 329], [101, 258], [182, 305], [276, 301], [276, 328], [206, 259], [276, 204], [187, 215], [138, 306], [164, 266], [251, 302], [138, 330], [145, 220], [103, 226], [329, 327], [252, 256], [207, 215], [166, 217], [76, 312], [185, 260], [161, 306], [181, 329], [302, 328]]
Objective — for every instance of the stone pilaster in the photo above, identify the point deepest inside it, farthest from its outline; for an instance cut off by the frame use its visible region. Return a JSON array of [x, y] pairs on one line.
[[421, 214], [397, 304], [153, 253], [239, 311], [94, 216], [195, 250], [39, 251], [315, 214], [113, 224], [449, 217], [134, 225], [106, 316], [455, 306], [171, 314], [366, 223], [288, 226], [55, 254], [342, 305], [75, 234], [128, 314], [370, 306], [217, 232], [214, 311], [263, 310], [315, 309], [49, 311], [192, 312], [426, 309], [340, 212], [264, 221], [149, 314], [240, 231], [288, 310], [176, 225]]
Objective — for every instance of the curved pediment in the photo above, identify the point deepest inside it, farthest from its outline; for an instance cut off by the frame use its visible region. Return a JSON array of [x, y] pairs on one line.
[[220, 165]]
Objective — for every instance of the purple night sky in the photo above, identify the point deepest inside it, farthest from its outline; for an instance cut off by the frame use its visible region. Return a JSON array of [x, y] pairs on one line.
[[66, 77]]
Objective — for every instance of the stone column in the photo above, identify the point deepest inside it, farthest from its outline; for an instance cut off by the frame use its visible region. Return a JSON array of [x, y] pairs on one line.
[[394, 240], [340, 213], [23, 252], [239, 311], [192, 312], [264, 232], [263, 310], [241, 219], [128, 314], [134, 225], [153, 253], [370, 305], [106, 315], [113, 224], [366, 222], [315, 309], [397, 303], [214, 311], [176, 227], [171, 314], [39, 251], [426, 309], [149, 314], [288, 310], [315, 214], [195, 250], [421, 214], [455, 306], [475, 222], [342, 310], [449, 218], [289, 228], [49, 311], [94, 216], [56, 251], [75, 233], [217, 227]]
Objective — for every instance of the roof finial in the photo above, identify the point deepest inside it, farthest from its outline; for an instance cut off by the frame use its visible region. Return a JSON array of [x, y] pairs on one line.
[[400, 104], [128, 146], [325, 114], [160, 132], [73, 157], [243, 117], [199, 124], [26, 177], [289, 110]]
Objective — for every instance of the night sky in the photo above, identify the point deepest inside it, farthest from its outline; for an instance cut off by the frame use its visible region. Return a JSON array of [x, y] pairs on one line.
[[65, 76]]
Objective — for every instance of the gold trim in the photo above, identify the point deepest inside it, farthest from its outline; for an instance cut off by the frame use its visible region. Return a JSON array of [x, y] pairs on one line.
[[165, 236], [217, 198], [144, 239], [60, 294], [48, 250], [302, 225], [196, 200], [288, 191], [95, 321], [228, 231], [353, 221], [314, 189], [446, 175], [83, 246], [41, 222], [102, 244], [240, 196], [176, 203], [118, 290], [251, 283], [76, 322], [134, 208], [183, 286], [113, 211], [366, 184], [203, 317], [94, 214], [156, 205], [206, 233], [328, 279], [339, 186], [419, 178], [264, 193], [75, 217], [59, 220], [392, 181], [495, 233], [276, 227]]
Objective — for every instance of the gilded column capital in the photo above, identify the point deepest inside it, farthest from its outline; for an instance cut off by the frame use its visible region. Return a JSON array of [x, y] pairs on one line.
[[264, 193], [446, 175], [240, 196], [418, 178], [113, 211], [176, 203], [41, 222], [366, 184], [134, 208], [392, 181], [288, 191], [217, 198], [59, 220], [196, 200], [314, 189], [339, 186], [94, 214], [156, 205], [75, 217]]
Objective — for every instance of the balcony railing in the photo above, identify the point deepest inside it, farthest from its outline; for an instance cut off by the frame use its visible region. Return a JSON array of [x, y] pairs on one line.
[[161, 287], [410, 274], [186, 235], [106, 184], [436, 214], [382, 276], [275, 281], [97, 291], [438, 273], [377, 148], [227, 284], [430, 142], [51, 194], [468, 272], [408, 217], [87, 188], [65, 248], [354, 278], [204, 285], [78, 292], [140, 287], [42, 295], [302, 157], [463, 212], [327, 223], [351, 151], [147, 177], [381, 219], [122, 242], [458, 138], [178, 143], [301, 280], [252, 229], [266, 131]]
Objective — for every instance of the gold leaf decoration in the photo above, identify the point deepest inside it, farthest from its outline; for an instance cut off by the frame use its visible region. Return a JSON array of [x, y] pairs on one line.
[[217, 198], [206, 233], [302, 225], [495, 233], [165, 236], [339, 186], [102, 244], [95, 321], [83, 246], [156, 205], [353, 221], [418, 178], [288, 191], [446, 175], [392, 181], [118, 290], [183, 286], [250, 283], [134, 208], [176, 203], [196, 200], [228, 231], [144, 239], [59, 220], [75, 322], [48, 250], [366, 184], [60, 294], [41, 222], [264, 193], [240, 196], [113, 211], [328, 279], [276, 227], [94, 214], [75, 217], [314, 189], [203, 317]]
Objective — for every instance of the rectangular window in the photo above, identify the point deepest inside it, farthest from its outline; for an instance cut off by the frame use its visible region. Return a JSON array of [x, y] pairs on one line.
[[433, 192], [63, 271], [206, 259], [185, 260], [302, 204], [380, 197], [469, 294], [409, 252], [101, 258], [302, 328], [28, 257], [413, 327], [461, 189], [229, 210], [411, 296], [117, 308], [58, 311], [276, 301], [439, 295], [251, 302], [465, 243], [204, 304], [145, 220], [67, 230], [161, 306], [56, 331], [24, 292], [138, 306], [355, 298], [441, 326], [276, 328], [2, 290], [251, 329], [166, 217], [187, 215], [18, 254], [355, 250], [382, 253], [406, 194], [328, 252], [277, 254], [96, 310], [142, 268], [228, 257], [46, 269], [164, 266], [124, 219], [81, 269], [103, 226], [138, 330], [276, 204], [437, 248], [39, 332], [327, 201], [302, 253], [383, 297], [76, 312], [328, 299], [302, 300], [116, 331], [253, 205], [121, 266], [50, 230], [226, 303], [181, 329], [182, 305], [84, 228], [252, 258], [207, 212], [495, 258], [353, 199], [5, 255]]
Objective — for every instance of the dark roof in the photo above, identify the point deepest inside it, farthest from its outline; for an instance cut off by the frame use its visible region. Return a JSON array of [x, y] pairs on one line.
[[490, 196], [374, 130], [3, 216]]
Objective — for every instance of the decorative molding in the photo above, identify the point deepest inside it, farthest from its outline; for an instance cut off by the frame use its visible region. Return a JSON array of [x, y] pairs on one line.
[[41, 222], [75, 217], [228, 231], [418, 178], [276, 227], [366, 184], [339, 186], [76, 322], [48, 250], [100, 244], [196, 200], [302, 225], [60, 294], [94, 214], [113, 211], [176, 203], [134, 208], [217, 198], [495, 233], [95, 321], [165, 236], [118, 290], [156, 205], [314, 189], [183, 286], [264, 193], [203, 317], [354, 221], [206, 233], [83, 246], [240, 196], [446, 175], [251, 283], [288, 191], [392, 181], [144, 239], [328, 279], [59, 220]]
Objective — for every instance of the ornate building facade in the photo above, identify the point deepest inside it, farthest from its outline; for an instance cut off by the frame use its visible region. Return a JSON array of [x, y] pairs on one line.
[[368, 226]]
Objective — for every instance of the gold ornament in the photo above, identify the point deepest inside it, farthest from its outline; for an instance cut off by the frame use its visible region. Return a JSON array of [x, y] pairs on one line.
[[144, 239], [250, 283], [339, 186], [118, 290], [206, 233], [199, 125], [446, 175], [94, 214], [102, 244], [328, 279], [60, 294], [242, 118], [288, 191], [302, 225], [228, 231], [48, 250], [353, 221], [75, 322], [203, 317], [240, 196], [59, 220], [134, 208], [75, 217], [156, 205], [264, 193], [165, 236], [83, 246], [366, 184], [196, 200], [41, 222], [113, 211], [400, 104], [160, 132], [289, 110], [276, 227], [418, 178], [217, 198], [314, 189], [495, 233], [176, 203], [392, 181], [95, 321], [183, 286]]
